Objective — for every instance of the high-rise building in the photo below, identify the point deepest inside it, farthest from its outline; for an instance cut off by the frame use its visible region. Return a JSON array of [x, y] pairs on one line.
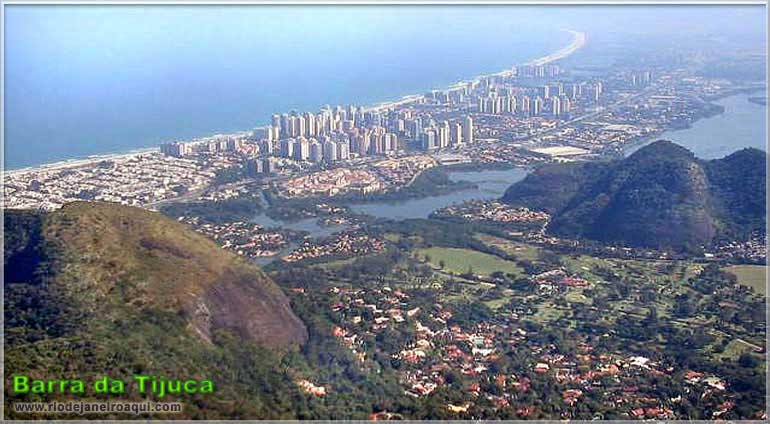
[[267, 147], [597, 90], [468, 130], [316, 151], [343, 150], [310, 126], [365, 142], [275, 133], [287, 148], [285, 126], [416, 128], [260, 133], [268, 166], [525, 105], [254, 167], [511, 107], [456, 134], [376, 145], [330, 151], [555, 106], [175, 149], [291, 126], [546, 91], [537, 106], [400, 126], [443, 135], [352, 110], [553, 70], [301, 126], [647, 77], [391, 142], [301, 149], [429, 139]]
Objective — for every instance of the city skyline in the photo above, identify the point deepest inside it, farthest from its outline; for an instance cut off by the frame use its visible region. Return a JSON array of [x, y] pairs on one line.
[[121, 53]]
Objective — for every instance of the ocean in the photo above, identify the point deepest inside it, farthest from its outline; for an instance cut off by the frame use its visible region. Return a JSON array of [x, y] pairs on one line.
[[88, 80]]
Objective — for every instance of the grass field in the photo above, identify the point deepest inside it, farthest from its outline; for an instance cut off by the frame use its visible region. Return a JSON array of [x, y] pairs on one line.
[[751, 275], [461, 260], [520, 250], [734, 349], [393, 237]]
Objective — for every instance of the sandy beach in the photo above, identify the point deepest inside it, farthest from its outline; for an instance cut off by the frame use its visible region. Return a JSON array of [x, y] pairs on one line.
[[578, 41]]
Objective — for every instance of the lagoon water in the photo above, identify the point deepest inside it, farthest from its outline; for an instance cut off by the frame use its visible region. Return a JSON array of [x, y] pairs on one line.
[[491, 185], [309, 225], [743, 124]]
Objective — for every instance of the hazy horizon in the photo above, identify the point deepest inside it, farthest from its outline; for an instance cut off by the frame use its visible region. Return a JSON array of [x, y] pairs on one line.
[[88, 79]]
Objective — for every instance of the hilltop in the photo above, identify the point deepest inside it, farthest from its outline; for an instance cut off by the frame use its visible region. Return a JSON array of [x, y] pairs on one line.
[[661, 196], [105, 289]]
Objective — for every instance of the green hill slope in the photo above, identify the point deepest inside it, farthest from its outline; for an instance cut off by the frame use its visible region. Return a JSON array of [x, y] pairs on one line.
[[661, 197], [100, 289]]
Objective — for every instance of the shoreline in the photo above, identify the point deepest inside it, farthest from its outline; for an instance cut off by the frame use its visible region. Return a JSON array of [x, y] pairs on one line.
[[78, 162], [578, 41], [644, 140]]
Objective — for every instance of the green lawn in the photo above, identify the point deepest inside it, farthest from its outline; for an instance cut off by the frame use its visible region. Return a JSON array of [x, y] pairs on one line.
[[546, 313], [734, 349], [392, 237], [461, 260], [754, 276], [520, 250]]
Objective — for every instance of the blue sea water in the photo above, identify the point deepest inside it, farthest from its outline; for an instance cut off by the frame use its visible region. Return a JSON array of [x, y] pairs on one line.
[[85, 80]]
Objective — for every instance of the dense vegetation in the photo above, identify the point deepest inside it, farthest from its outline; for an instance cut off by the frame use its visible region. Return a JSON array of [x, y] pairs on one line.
[[681, 315], [98, 289], [661, 197]]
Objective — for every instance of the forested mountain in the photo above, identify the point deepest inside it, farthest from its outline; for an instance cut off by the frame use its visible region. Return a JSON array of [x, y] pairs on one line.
[[100, 289], [661, 196]]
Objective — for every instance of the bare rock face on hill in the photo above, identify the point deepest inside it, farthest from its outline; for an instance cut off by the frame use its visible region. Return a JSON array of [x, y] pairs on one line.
[[99, 261], [661, 196]]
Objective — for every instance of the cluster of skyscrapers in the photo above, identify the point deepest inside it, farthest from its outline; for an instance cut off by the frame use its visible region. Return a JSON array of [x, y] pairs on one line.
[[445, 134], [330, 135], [641, 79], [436, 120], [535, 71], [215, 144], [552, 99]]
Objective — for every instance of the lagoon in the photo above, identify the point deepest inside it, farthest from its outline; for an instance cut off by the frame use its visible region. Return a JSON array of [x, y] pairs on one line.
[[491, 184], [742, 124]]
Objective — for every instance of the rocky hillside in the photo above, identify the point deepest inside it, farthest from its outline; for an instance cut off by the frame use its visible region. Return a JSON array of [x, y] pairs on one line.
[[661, 196], [108, 289]]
